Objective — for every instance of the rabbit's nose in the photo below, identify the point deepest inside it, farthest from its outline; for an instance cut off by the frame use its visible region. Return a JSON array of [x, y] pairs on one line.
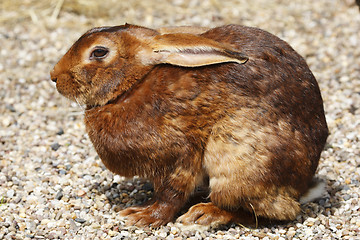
[[53, 75]]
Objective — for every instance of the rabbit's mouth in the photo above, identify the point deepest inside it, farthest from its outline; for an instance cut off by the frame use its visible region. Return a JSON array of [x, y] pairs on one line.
[[89, 107]]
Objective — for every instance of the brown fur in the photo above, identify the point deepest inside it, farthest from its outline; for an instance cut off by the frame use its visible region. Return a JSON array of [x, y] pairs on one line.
[[248, 116]]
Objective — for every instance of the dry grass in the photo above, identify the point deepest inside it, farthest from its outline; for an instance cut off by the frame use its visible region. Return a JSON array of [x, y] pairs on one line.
[[148, 13], [17, 10], [47, 12]]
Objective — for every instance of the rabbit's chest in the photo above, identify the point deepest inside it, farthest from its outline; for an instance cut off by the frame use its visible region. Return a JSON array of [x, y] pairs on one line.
[[132, 144]]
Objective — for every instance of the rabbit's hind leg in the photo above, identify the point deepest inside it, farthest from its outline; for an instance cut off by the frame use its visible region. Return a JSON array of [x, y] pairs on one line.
[[210, 215], [242, 185]]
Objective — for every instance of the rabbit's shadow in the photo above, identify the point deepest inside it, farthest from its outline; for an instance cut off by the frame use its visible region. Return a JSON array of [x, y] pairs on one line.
[[136, 191], [125, 193]]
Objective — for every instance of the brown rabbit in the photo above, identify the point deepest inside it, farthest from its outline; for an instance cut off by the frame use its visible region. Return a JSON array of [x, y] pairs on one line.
[[232, 107]]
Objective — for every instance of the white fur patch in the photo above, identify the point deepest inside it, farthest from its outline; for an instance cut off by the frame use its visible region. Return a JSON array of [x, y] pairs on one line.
[[314, 193]]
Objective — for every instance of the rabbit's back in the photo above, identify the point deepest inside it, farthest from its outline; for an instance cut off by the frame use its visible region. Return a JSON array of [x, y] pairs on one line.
[[277, 78]]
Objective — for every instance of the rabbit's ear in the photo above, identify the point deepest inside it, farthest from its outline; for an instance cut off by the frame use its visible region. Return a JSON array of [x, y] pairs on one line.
[[188, 50]]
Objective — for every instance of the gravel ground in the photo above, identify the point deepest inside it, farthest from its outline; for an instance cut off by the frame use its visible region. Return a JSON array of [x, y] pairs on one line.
[[53, 185]]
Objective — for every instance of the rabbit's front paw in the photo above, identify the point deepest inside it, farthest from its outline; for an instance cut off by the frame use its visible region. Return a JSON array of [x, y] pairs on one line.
[[153, 215]]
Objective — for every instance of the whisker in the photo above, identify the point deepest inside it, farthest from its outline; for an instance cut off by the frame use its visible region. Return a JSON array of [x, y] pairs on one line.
[[81, 106]]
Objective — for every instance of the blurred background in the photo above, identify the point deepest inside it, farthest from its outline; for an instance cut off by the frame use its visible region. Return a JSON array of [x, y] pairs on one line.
[[155, 13]]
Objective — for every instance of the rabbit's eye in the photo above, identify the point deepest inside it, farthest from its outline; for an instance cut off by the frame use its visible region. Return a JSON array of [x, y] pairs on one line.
[[99, 53]]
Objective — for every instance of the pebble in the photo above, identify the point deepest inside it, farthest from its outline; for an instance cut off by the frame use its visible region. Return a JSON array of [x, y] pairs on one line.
[[174, 230], [346, 197], [147, 187], [10, 193], [53, 184], [117, 179], [60, 131], [124, 233], [59, 195], [10, 107], [55, 146], [81, 193]]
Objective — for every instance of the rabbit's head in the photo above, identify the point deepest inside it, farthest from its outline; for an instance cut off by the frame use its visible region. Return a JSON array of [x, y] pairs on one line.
[[107, 61]]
